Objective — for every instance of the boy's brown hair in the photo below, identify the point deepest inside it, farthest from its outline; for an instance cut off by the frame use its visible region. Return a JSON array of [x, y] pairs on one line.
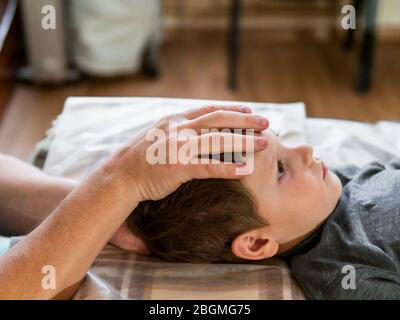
[[198, 222]]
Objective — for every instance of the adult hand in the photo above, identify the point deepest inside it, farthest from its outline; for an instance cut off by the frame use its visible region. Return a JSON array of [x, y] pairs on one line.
[[156, 181]]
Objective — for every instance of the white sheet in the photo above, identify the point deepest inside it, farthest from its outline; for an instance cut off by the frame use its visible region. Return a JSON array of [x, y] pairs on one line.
[[342, 142], [4, 244]]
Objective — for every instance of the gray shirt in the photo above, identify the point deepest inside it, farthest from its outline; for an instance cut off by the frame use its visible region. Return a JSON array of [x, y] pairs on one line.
[[356, 252]]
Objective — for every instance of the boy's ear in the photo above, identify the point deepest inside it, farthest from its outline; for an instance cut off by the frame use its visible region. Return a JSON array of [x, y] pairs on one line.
[[254, 245]]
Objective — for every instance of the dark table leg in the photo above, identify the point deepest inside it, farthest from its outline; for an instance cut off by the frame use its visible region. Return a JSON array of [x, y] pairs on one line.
[[348, 43], [233, 43], [363, 73], [151, 65]]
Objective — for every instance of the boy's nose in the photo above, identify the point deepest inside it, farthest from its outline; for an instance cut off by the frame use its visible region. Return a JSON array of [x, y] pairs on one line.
[[306, 152]]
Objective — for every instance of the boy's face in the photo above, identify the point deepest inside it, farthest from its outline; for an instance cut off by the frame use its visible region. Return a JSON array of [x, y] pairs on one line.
[[292, 194]]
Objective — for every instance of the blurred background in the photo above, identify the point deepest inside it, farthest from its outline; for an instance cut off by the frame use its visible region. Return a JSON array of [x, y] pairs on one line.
[[243, 50]]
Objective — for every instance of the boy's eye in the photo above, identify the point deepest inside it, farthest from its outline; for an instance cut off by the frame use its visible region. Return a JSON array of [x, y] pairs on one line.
[[281, 169]]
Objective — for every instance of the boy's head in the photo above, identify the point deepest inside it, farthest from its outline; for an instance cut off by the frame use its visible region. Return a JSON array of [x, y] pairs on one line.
[[284, 200]]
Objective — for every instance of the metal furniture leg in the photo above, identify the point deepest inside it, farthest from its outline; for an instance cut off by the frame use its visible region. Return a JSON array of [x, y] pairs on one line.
[[348, 43], [364, 67], [233, 43]]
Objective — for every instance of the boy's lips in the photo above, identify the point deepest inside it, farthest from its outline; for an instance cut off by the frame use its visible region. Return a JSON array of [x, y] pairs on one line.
[[324, 169]]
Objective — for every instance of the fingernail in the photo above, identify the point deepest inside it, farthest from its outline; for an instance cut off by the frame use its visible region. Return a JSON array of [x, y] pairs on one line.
[[245, 109], [262, 122], [241, 164]]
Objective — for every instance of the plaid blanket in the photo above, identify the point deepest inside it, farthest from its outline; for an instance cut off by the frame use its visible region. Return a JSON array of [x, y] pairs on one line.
[[117, 274]]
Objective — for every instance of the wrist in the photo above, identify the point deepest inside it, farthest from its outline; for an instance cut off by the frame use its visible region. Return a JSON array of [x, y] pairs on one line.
[[125, 184]]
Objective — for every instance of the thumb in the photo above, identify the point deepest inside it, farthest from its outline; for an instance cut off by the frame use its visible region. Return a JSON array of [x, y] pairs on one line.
[[125, 239]]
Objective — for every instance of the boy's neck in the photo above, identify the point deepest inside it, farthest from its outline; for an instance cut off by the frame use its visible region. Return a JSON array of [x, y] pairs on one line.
[[284, 247]]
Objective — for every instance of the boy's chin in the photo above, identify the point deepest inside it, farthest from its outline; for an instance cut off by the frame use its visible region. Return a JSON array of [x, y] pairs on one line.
[[335, 190], [337, 185]]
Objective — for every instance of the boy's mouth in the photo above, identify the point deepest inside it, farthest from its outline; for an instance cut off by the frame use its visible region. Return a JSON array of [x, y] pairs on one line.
[[324, 169]]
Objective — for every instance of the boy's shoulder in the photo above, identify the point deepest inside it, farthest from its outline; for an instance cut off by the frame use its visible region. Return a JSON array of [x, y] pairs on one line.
[[348, 172]]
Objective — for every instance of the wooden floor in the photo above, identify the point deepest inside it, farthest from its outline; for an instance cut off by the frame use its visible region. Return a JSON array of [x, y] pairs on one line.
[[319, 74]]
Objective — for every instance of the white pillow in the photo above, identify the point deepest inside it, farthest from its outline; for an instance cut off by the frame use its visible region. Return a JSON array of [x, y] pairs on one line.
[[90, 129], [343, 142]]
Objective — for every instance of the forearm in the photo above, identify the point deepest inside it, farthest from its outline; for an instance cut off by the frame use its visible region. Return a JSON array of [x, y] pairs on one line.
[[27, 195], [69, 239]]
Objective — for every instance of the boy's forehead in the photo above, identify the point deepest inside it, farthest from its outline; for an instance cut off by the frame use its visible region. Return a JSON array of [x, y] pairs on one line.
[[268, 133], [271, 131]]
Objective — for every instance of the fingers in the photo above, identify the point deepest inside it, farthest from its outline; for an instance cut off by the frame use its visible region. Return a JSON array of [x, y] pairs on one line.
[[224, 142], [198, 112], [228, 119], [221, 170], [217, 170], [125, 239], [198, 149], [198, 167]]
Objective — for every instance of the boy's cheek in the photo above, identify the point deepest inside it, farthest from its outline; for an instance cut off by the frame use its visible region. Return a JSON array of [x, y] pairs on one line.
[[301, 186]]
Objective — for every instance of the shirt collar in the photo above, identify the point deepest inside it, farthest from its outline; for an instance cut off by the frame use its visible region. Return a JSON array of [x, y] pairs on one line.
[[308, 243]]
